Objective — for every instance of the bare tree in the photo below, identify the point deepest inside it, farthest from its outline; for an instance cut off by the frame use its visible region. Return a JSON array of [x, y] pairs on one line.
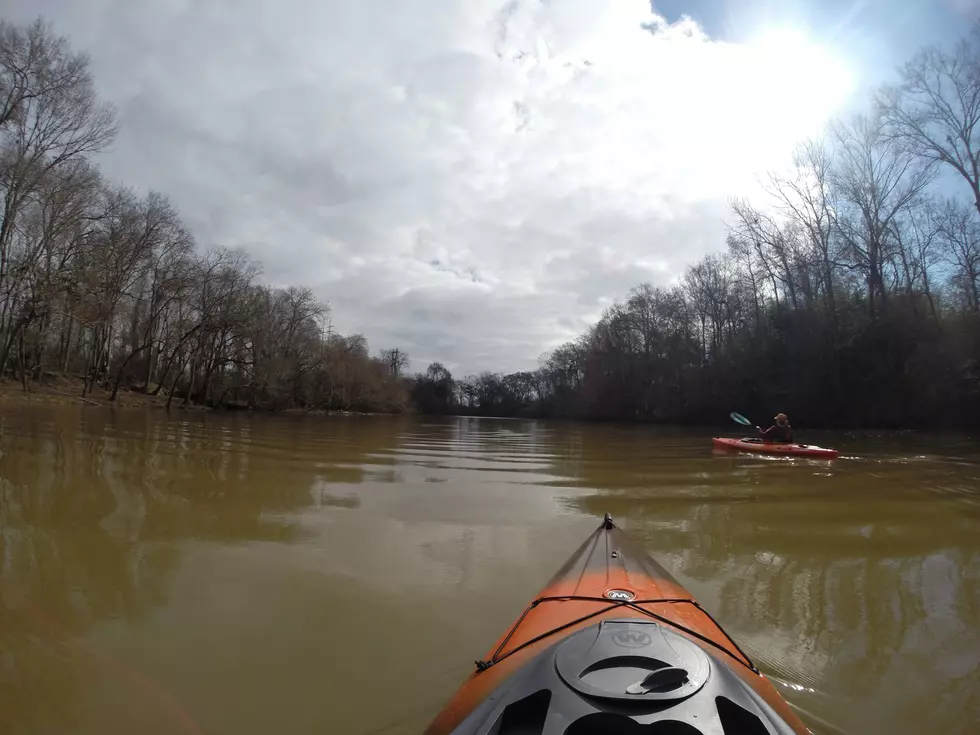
[[227, 305], [49, 116], [935, 110], [806, 196], [959, 231], [162, 248], [775, 246], [716, 302], [286, 339], [42, 252], [917, 236], [395, 359], [876, 180]]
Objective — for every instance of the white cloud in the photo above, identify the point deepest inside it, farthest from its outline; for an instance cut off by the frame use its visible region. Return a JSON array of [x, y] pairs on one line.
[[472, 181]]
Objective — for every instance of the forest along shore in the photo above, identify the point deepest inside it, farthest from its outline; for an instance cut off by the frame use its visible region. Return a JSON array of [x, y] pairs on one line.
[[67, 390], [849, 297]]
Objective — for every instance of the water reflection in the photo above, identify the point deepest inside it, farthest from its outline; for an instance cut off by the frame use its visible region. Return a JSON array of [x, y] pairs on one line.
[[860, 591], [92, 505], [253, 574]]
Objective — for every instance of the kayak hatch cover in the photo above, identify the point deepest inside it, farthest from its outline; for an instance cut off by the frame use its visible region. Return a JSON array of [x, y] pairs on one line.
[[776, 448], [614, 645]]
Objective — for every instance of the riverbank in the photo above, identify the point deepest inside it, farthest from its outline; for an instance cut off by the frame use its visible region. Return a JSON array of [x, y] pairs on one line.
[[67, 390]]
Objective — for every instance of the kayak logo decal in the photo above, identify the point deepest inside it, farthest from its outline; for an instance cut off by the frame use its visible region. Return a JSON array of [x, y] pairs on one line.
[[620, 595], [631, 639]]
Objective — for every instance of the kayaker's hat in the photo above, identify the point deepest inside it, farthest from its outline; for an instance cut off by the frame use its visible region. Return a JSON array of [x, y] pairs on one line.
[[781, 418]]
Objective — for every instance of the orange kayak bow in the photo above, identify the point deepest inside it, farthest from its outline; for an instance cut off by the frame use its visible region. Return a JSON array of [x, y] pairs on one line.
[[614, 645]]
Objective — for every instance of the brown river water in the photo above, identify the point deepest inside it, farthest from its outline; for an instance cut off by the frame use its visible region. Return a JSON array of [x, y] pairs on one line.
[[245, 575]]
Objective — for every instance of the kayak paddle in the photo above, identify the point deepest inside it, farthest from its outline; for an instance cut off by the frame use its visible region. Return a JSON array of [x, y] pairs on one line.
[[740, 419]]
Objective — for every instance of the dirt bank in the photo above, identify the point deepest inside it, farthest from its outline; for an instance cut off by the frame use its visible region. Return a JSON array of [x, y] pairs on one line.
[[66, 389]]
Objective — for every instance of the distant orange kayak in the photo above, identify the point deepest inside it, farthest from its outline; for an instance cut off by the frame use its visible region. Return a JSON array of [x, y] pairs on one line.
[[777, 448], [614, 645]]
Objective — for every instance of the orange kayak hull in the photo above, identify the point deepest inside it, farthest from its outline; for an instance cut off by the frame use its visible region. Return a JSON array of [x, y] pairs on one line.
[[775, 448], [606, 579]]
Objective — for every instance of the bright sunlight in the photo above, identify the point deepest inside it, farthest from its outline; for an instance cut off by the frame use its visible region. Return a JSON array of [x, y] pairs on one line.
[[784, 87], [818, 78]]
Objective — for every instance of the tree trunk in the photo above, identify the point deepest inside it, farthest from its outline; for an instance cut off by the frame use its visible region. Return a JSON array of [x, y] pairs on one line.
[[21, 361], [173, 385], [67, 349], [928, 292], [161, 378], [92, 362], [149, 369], [5, 346], [122, 369], [831, 297], [190, 383], [208, 373], [971, 277]]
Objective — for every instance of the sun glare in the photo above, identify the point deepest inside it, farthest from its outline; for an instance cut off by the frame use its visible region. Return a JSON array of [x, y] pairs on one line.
[[800, 70], [775, 90]]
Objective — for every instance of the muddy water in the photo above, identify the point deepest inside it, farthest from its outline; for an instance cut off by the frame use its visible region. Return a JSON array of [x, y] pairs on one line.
[[248, 575]]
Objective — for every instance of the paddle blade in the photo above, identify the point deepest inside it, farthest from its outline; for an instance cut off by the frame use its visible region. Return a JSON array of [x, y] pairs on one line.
[[740, 419]]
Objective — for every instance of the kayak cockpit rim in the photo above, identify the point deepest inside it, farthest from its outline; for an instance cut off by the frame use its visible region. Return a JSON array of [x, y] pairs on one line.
[[608, 525]]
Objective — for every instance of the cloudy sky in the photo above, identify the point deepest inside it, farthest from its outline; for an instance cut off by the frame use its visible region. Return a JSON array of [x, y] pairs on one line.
[[473, 181]]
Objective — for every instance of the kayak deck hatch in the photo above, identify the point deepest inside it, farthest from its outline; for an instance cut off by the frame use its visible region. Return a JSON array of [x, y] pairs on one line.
[[610, 606], [613, 645]]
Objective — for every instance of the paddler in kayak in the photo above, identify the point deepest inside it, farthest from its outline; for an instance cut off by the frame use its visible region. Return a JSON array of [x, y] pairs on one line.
[[781, 431]]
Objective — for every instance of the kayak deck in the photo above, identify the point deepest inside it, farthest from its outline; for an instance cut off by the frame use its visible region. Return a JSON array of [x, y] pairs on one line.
[[610, 596], [775, 448], [598, 581]]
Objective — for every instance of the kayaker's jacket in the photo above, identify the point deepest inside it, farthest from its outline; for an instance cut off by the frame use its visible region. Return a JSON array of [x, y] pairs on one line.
[[777, 433]]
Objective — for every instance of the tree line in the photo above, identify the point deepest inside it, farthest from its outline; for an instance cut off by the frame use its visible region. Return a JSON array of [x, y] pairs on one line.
[[848, 297], [100, 282]]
